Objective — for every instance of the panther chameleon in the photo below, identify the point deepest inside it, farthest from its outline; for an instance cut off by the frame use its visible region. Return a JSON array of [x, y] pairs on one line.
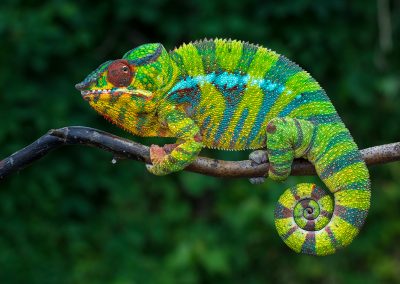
[[227, 94]]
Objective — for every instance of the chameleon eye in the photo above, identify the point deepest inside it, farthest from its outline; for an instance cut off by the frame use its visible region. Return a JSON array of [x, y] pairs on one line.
[[120, 73]]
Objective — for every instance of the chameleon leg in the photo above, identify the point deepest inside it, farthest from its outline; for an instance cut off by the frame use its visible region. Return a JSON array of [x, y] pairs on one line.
[[175, 157], [287, 138]]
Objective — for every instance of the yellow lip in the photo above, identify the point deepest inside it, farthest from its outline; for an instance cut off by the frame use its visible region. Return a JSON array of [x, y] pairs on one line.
[[142, 93]]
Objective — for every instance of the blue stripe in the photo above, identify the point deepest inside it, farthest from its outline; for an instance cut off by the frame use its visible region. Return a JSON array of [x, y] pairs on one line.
[[308, 246], [282, 70], [186, 92], [271, 91], [223, 125], [282, 212], [179, 62], [278, 152], [226, 81], [239, 126], [341, 162], [300, 134], [186, 83], [334, 242], [340, 137], [189, 95], [312, 141], [206, 50], [354, 216], [323, 118], [248, 53], [301, 99], [357, 185], [231, 87], [205, 124]]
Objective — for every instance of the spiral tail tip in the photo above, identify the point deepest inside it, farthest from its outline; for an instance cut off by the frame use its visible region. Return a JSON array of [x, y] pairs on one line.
[[301, 218]]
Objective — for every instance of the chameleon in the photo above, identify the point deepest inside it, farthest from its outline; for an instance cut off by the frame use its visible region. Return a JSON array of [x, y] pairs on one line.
[[233, 95]]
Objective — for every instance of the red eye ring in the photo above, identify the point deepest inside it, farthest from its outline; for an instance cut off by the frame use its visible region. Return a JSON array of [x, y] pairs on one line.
[[120, 73]]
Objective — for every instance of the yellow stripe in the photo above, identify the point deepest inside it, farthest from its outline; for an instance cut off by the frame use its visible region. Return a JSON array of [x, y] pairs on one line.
[[311, 108], [301, 222], [212, 104], [287, 199], [252, 99], [344, 232], [228, 54], [321, 222], [321, 141], [262, 62], [254, 103], [284, 225], [326, 203], [296, 240], [350, 174], [191, 59], [359, 199], [304, 189], [332, 154], [180, 156], [323, 244]]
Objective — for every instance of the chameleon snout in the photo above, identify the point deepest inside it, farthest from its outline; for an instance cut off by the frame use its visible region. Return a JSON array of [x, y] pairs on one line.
[[81, 86]]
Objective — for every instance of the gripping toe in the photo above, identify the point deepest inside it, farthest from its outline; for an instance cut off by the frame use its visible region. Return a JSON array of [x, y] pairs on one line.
[[258, 157], [257, 180]]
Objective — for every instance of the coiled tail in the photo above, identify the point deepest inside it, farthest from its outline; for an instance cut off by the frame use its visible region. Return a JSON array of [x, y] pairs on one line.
[[311, 220]]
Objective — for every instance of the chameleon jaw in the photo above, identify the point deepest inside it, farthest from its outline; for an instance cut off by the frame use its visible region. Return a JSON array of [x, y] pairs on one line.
[[86, 94]]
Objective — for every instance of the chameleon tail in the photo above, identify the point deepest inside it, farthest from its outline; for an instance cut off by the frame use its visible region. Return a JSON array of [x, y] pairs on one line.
[[307, 218]]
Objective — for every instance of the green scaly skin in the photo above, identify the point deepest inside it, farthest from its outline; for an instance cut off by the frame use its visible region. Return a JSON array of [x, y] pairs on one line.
[[226, 94]]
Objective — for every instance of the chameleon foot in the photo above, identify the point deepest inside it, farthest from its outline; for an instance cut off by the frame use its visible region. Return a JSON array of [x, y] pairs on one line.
[[161, 158], [258, 157], [157, 154]]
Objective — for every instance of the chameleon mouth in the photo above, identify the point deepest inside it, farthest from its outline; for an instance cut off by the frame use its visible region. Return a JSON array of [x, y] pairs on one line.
[[86, 94]]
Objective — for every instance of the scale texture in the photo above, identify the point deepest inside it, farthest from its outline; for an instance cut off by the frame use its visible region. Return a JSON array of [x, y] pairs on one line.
[[227, 94]]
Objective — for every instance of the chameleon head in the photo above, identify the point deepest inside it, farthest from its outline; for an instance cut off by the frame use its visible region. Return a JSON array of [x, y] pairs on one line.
[[131, 86]]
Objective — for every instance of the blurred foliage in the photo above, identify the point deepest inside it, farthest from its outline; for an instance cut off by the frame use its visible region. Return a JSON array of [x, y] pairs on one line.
[[74, 217]]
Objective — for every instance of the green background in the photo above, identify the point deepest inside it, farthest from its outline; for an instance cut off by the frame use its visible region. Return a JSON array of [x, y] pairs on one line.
[[74, 217]]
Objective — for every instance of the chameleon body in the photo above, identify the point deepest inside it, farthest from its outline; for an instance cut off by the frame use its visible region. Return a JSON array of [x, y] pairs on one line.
[[226, 94]]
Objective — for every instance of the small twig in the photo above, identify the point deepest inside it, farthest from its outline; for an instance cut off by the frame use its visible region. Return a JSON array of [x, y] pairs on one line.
[[123, 148]]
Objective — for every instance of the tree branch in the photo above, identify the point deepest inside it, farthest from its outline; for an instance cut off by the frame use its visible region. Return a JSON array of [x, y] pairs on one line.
[[123, 148]]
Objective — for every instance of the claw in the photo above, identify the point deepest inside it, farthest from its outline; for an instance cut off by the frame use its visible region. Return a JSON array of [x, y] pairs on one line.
[[149, 167], [258, 157], [155, 170], [257, 180]]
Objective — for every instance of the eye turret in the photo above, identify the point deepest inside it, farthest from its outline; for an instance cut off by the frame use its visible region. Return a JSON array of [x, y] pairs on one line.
[[120, 73]]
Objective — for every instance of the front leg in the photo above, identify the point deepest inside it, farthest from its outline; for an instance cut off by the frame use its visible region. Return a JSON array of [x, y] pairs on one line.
[[175, 157]]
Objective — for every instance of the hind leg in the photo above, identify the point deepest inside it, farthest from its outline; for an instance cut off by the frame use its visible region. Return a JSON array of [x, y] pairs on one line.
[[287, 138]]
